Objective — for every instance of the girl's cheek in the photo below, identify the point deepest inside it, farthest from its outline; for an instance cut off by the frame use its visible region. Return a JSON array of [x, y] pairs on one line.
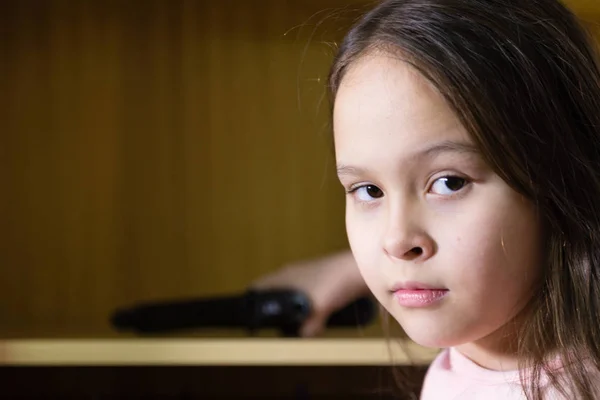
[[363, 237]]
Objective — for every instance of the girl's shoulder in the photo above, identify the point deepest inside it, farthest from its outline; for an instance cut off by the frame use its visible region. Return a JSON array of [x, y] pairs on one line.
[[553, 393], [453, 376]]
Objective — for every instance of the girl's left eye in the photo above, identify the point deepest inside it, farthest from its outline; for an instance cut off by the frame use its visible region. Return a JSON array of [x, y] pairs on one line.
[[448, 185]]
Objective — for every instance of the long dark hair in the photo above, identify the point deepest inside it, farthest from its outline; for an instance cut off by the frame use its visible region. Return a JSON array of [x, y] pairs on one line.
[[524, 79]]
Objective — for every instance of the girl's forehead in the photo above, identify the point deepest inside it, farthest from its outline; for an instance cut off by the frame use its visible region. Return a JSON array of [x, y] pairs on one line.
[[374, 69], [383, 95]]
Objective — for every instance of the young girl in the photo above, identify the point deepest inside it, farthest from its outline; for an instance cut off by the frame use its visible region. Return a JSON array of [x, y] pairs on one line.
[[467, 138]]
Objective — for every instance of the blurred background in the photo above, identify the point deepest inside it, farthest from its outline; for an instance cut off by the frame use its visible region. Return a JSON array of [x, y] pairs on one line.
[[157, 149]]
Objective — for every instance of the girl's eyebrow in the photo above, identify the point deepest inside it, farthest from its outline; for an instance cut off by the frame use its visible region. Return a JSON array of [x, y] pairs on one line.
[[447, 146]]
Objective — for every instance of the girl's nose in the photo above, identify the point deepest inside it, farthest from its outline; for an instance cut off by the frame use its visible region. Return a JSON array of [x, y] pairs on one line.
[[406, 241]]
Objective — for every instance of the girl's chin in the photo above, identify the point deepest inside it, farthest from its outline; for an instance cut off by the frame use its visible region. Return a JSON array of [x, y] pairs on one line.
[[433, 342], [429, 335]]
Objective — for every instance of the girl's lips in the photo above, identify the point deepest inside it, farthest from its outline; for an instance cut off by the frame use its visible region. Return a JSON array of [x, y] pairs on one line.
[[418, 298]]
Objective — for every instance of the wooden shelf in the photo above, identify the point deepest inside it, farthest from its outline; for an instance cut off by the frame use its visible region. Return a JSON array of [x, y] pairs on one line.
[[213, 352]]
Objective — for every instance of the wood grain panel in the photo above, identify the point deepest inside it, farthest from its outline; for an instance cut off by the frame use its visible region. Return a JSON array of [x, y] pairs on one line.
[[158, 149]]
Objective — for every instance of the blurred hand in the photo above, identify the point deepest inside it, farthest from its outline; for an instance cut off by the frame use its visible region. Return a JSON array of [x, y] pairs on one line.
[[331, 282]]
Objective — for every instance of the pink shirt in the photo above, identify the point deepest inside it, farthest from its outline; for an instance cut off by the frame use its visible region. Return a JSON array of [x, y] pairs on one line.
[[453, 376]]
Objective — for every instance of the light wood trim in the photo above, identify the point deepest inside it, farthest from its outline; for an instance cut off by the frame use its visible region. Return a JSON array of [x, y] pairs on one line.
[[207, 352]]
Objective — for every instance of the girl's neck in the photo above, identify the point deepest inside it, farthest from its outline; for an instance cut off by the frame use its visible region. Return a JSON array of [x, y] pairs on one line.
[[492, 360], [496, 351]]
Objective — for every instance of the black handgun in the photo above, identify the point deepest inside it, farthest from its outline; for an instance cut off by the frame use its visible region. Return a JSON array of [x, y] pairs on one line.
[[253, 310]]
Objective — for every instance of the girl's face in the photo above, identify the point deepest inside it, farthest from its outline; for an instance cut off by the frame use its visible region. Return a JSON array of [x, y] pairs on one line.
[[447, 247]]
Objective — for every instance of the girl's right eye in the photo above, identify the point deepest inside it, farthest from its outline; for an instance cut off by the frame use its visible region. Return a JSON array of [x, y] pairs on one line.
[[367, 193]]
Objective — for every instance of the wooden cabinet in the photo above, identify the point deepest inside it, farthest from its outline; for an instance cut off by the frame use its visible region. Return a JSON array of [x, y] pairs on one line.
[[212, 368], [158, 149]]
